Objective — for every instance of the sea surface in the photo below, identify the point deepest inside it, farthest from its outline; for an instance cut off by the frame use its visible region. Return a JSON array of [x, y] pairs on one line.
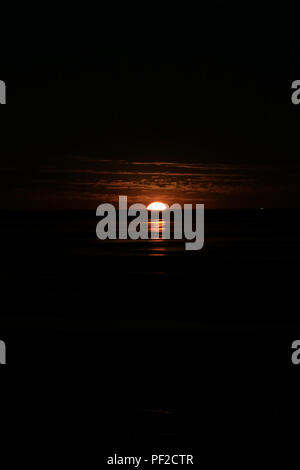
[[58, 253], [143, 347]]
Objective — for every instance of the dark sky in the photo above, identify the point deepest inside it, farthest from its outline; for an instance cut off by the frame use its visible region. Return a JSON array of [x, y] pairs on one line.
[[185, 106]]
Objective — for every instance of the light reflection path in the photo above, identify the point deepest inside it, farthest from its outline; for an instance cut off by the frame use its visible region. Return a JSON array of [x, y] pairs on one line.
[[157, 229]]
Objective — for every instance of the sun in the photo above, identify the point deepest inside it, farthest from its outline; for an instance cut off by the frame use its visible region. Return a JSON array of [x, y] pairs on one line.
[[157, 206]]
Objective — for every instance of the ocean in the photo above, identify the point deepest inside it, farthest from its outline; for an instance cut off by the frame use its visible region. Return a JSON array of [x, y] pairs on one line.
[[143, 346], [58, 253]]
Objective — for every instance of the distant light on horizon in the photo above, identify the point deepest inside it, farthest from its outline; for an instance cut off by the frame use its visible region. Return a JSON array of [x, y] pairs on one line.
[[157, 206]]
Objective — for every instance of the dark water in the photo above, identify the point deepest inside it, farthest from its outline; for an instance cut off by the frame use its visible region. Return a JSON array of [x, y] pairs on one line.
[[142, 346], [58, 253]]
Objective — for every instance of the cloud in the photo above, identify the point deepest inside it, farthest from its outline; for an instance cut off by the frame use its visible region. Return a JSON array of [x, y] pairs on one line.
[[92, 181]]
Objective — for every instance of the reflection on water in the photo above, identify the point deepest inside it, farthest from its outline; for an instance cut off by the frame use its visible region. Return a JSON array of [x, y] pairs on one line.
[[157, 234], [64, 234], [159, 240], [158, 229]]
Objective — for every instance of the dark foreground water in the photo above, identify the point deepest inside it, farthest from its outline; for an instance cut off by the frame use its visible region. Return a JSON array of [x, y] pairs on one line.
[[143, 347], [58, 253]]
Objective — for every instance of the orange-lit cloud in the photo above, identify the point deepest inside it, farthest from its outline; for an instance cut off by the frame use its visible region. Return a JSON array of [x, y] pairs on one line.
[[85, 182]]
